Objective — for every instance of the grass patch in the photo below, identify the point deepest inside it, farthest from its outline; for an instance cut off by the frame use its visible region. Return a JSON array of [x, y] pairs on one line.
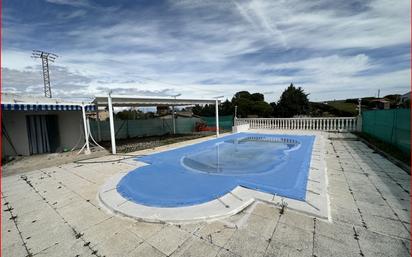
[[389, 149], [343, 106]]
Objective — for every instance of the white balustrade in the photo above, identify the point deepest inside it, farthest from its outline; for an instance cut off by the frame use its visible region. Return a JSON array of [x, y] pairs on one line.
[[324, 124]]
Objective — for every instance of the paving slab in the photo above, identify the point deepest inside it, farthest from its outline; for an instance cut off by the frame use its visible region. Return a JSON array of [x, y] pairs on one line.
[[376, 244], [67, 248], [226, 253], [168, 239], [144, 229], [11, 239], [265, 211], [295, 219], [104, 230], [260, 226], [28, 205], [326, 246], [82, 215], [247, 244], [191, 227], [14, 250], [386, 226], [216, 232], [144, 250], [47, 237], [120, 244], [289, 238], [196, 247], [381, 210], [346, 215]]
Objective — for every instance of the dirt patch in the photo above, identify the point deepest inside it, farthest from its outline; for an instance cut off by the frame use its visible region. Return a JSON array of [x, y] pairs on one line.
[[22, 164], [141, 143]]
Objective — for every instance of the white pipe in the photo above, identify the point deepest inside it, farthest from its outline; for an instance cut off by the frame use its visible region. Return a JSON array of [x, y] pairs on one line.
[[112, 132], [217, 118], [86, 133], [91, 135]]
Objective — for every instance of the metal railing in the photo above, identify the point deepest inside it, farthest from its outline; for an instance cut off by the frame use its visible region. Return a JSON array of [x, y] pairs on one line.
[[322, 124]]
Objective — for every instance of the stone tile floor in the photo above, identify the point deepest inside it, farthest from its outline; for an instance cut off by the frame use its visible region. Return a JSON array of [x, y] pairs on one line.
[[55, 212]]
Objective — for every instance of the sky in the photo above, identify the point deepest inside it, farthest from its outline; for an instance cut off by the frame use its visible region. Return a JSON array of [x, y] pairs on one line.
[[201, 49]]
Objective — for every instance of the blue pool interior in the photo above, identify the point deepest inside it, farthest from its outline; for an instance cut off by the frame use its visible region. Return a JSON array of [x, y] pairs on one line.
[[198, 173]]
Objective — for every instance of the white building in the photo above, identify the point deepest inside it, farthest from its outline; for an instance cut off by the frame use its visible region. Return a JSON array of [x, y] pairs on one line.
[[34, 125]]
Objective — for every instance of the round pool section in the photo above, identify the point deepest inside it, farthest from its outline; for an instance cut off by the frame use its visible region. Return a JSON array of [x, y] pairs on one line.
[[246, 155], [198, 173]]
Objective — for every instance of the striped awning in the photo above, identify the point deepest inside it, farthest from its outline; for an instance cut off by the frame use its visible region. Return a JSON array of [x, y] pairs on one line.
[[44, 107]]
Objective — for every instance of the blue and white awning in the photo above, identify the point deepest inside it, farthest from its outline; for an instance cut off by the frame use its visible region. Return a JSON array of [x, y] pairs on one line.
[[44, 107]]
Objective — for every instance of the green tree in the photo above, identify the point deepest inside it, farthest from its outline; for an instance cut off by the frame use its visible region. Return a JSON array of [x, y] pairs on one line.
[[226, 108], [251, 104], [293, 101], [257, 97]]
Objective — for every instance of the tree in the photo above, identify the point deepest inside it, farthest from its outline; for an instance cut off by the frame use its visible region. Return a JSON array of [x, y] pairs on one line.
[[293, 101], [274, 109], [257, 97], [226, 108], [251, 104]]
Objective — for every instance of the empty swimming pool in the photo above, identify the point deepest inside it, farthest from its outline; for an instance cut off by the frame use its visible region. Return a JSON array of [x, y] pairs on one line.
[[194, 174]]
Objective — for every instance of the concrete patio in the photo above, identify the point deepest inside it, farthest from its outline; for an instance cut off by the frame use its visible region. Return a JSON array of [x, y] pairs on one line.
[[55, 212]]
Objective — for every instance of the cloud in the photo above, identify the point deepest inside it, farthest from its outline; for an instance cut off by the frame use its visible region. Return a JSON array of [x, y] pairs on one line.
[[76, 3], [209, 48], [30, 81], [137, 92]]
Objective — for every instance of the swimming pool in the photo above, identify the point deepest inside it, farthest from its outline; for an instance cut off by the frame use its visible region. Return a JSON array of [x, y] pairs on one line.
[[195, 174]]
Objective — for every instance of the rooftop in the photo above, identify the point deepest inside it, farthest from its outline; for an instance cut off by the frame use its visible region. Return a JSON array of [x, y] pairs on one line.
[[21, 99]]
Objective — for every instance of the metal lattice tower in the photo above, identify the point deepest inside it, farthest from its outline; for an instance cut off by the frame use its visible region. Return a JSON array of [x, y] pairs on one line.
[[45, 58]]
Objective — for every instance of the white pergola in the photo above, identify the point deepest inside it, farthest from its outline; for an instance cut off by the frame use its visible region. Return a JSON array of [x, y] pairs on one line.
[[142, 101]]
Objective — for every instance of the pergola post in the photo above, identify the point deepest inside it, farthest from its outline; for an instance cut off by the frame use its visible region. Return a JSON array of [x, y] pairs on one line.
[[173, 118], [111, 120], [86, 132], [217, 117]]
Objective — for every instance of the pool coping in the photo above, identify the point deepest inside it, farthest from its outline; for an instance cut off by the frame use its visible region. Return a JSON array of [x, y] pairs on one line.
[[316, 204]]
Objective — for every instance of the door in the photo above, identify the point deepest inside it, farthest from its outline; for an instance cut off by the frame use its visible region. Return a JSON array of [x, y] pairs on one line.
[[43, 133]]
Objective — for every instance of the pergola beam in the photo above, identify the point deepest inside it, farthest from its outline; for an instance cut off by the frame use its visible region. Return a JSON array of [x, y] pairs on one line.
[[139, 101]]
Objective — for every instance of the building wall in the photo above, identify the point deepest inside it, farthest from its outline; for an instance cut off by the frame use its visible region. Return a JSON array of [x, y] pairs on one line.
[[15, 125], [70, 130]]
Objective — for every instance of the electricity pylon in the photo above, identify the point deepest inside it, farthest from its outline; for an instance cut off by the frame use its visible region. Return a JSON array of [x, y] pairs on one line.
[[45, 58]]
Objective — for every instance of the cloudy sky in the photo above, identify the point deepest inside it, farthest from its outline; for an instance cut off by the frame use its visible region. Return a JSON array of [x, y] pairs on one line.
[[333, 49]]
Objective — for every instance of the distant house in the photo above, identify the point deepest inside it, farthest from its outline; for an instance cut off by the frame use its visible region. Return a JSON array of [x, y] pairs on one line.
[[182, 114], [103, 115], [381, 103], [35, 125], [405, 97], [162, 110]]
